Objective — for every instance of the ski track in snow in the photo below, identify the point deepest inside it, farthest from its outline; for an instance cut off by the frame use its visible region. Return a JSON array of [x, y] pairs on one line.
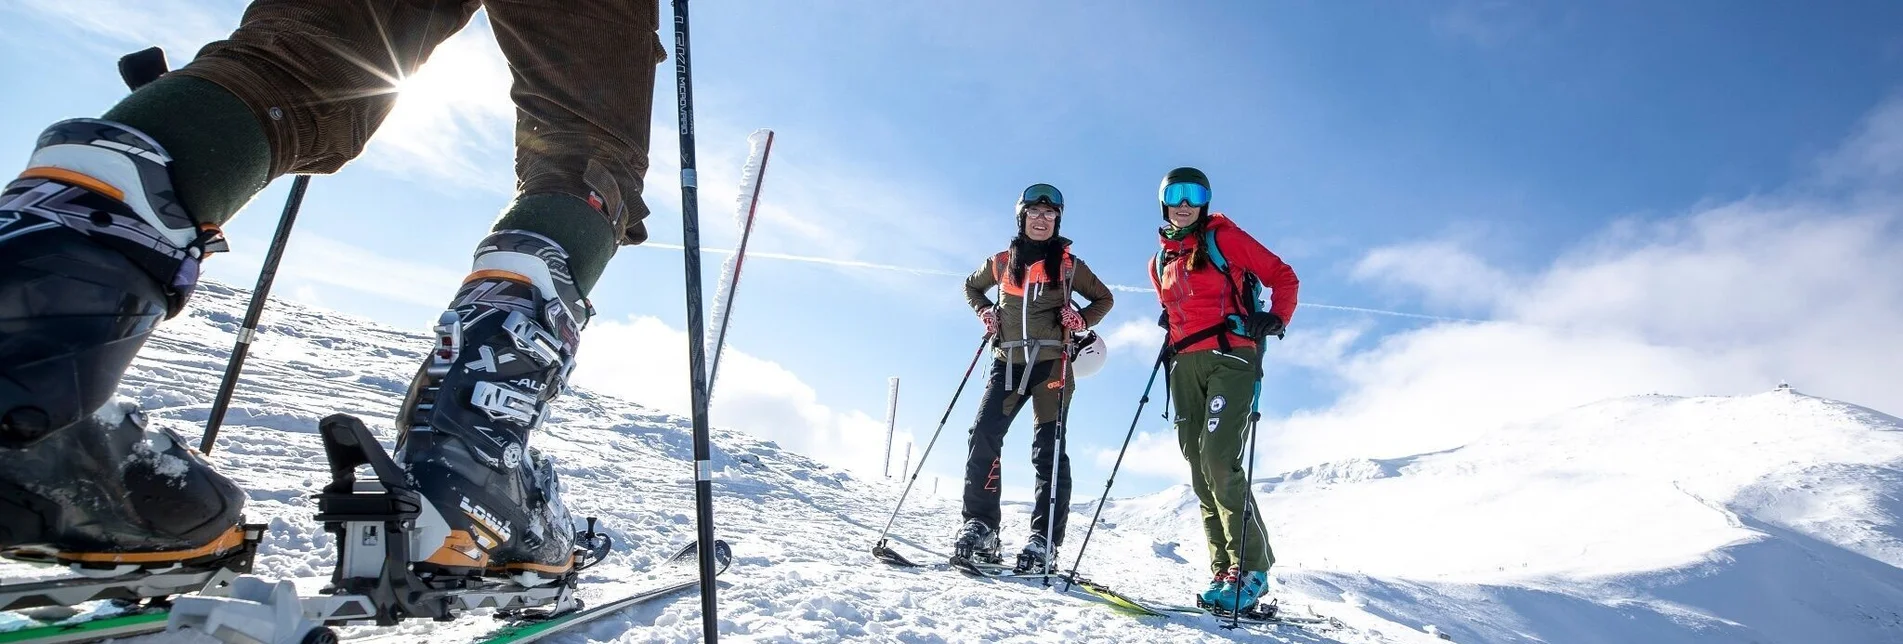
[[1769, 518]]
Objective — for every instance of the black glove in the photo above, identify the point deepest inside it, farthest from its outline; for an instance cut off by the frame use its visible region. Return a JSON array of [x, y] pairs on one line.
[[1163, 319], [1263, 324]]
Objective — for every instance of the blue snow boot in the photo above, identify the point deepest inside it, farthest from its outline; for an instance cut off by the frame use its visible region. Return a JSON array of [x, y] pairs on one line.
[[1213, 593], [1243, 593]]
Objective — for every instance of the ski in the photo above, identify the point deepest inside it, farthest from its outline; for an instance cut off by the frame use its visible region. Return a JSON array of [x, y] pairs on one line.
[[89, 627], [1118, 600], [135, 585], [137, 602], [998, 571], [1268, 614], [886, 554], [676, 574]]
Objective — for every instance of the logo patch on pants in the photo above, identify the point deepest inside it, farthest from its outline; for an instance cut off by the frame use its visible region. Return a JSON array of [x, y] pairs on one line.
[[1217, 404], [1213, 424]]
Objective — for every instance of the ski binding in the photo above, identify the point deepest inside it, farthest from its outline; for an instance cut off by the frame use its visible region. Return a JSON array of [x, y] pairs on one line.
[[378, 523]]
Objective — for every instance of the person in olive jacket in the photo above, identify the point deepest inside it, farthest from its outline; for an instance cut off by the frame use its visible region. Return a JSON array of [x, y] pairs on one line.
[[1031, 324]]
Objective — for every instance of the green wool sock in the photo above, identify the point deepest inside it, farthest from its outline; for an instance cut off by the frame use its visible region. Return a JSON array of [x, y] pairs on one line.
[[578, 227], [220, 158]]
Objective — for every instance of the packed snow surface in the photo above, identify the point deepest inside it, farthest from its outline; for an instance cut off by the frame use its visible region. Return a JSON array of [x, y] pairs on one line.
[[1775, 517]]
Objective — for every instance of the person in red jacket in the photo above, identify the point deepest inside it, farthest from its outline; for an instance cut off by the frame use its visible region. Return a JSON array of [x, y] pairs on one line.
[[1207, 277]]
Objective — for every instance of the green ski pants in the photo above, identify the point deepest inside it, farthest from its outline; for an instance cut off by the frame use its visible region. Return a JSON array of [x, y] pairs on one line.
[[1212, 391]]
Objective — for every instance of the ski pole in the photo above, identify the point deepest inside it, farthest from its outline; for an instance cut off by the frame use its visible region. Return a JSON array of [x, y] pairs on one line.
[[1057, 459], [880, 550], [1248, 486], [696, 331], [1162, 355], [253, 311], [1064, 388]]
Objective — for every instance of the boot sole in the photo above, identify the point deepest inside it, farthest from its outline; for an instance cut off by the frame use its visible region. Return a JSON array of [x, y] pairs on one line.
[[228, 542]]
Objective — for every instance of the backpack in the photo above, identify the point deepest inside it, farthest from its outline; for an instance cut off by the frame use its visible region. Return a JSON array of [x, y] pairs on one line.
[[1247, 297]]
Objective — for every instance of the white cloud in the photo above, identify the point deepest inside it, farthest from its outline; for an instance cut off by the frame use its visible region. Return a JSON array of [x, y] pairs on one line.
[[181, 27], [1150, 453], [644, 360], [1486, 23], [1873, 159], [1726, 299], [1445, 274], [1140, 336]]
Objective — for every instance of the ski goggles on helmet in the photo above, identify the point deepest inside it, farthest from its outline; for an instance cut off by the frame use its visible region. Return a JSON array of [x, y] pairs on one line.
[[1042, 193], [1195, 193]]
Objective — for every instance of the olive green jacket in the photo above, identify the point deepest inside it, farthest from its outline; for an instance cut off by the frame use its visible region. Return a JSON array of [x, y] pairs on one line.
[[1040, 321]]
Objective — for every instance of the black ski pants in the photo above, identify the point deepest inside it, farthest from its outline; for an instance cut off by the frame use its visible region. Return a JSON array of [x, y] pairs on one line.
[[983, 467]]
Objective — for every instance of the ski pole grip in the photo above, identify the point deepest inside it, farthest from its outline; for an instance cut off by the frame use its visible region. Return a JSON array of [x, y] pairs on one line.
[[141, 67]]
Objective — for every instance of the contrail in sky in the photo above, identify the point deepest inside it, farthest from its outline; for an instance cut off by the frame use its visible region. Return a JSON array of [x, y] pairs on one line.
[[849, 263]]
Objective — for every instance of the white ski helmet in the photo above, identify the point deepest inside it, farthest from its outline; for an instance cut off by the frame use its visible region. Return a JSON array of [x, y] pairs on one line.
[[1087, 353]]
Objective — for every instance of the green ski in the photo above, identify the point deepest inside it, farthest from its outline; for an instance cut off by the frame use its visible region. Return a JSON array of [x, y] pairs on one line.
[[675, 575], [87, 630]]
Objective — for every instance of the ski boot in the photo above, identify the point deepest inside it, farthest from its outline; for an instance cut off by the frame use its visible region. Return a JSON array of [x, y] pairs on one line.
[[505, 347], [977, 543], [1037, 556], [94, 253], [1242, 592], [1213, 593]]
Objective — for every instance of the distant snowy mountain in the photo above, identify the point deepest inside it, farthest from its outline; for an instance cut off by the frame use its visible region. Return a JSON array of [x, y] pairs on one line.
[[1767, 518], [1775, 517]]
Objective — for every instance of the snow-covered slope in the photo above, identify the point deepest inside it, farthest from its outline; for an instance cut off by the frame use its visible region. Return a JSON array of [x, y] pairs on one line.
[[801, 531], [1768, 518], [1775, 517]]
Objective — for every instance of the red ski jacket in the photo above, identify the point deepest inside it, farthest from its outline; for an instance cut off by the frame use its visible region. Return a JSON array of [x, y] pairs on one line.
[[1194, 294]]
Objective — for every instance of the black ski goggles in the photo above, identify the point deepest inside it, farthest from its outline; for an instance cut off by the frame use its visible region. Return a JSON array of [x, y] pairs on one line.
[[1042, 193]]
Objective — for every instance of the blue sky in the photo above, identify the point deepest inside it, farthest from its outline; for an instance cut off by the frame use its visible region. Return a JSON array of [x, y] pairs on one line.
[[1620, 199]]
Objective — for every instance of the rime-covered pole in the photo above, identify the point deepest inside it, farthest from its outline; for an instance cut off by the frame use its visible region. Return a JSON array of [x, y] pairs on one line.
[[891, 421], [747, 205]]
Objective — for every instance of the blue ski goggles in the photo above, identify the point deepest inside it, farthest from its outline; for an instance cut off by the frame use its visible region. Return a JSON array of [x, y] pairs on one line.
[[1176, 193], [1043, 193]]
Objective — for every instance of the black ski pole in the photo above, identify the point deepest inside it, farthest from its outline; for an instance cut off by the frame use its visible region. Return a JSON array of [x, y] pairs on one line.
[[696, 331], [881, 550], [1057, 460], [1064, 390], [1248, 487], [253, 311], [1162, 355]]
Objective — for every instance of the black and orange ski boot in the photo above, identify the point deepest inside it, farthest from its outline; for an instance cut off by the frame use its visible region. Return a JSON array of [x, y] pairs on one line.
[[95, 251], [504, 350]]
